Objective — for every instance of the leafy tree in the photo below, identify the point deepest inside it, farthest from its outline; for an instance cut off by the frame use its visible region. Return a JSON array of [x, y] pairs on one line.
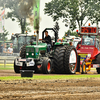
[[20, 10], [94, 11], [73, 12], [56, 28], [70, 33], [3, 36]]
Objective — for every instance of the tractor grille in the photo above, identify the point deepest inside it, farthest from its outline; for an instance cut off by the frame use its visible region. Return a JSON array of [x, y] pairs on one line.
[[30, 50]]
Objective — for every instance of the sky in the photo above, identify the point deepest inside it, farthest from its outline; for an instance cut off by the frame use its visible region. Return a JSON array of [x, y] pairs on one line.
[[46, 22]]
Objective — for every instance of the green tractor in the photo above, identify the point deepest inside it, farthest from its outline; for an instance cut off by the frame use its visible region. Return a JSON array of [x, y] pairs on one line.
[[61, 59], [19, 40]]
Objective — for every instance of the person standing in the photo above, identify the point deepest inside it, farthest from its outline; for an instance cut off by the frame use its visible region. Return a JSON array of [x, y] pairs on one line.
[[10, 50], [5, 49]]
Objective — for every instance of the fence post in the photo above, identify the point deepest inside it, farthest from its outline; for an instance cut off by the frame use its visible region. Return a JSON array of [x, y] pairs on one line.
[[4, 63]]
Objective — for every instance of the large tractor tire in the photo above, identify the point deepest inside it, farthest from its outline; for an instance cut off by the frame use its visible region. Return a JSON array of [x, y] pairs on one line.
[[16, 68], [98, 70], [98, 62], [65, 60], [23, 52], [46, 66]]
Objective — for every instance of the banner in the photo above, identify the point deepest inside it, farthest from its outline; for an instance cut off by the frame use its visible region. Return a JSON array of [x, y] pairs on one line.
[[2, 17], [36, 12]]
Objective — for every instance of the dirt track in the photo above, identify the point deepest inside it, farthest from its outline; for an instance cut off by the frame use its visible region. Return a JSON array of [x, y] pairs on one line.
[[82, 89], [77, 89], [12, 73]]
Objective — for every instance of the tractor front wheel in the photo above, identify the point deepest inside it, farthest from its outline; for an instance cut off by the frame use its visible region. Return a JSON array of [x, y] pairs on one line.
[[16, 68], [46, 66]]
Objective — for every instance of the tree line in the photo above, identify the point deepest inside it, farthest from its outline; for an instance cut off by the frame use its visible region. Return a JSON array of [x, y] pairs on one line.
[[74, 12]]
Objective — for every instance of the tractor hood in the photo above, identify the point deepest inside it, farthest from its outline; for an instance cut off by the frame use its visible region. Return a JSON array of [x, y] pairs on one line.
[[61, 43], [33, 51]]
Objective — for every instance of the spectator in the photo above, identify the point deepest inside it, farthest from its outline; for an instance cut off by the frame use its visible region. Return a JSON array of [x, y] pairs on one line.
[[1, 49], [10, 50], [5, 49]]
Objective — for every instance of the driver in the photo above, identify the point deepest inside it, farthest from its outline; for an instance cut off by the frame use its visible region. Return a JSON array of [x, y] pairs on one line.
[[47, 40], [91, 42]]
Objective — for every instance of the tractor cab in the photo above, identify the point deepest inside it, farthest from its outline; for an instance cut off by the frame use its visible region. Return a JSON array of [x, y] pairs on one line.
[[54, 39], [88, 44], [19, 40], [88, 48]]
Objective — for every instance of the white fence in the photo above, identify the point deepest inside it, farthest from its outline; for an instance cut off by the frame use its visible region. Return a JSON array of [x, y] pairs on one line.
[[7, 60]]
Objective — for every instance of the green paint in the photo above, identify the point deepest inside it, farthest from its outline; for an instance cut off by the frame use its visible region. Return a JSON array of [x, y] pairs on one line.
[[34, 50], [61, 43], [36, 11]]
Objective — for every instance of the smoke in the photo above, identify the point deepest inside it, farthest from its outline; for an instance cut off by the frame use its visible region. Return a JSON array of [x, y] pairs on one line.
[[26, 11], [26, 8], [20, 9], [31, 18]]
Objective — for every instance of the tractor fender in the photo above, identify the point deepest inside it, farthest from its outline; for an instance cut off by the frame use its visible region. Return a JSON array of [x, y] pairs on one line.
[[96, 54]]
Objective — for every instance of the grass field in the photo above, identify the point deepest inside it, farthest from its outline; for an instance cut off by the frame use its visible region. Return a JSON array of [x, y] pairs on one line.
[[47, 77], [8, 67]]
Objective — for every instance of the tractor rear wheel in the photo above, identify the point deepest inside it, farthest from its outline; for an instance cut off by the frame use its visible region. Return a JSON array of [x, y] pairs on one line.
[[65, 60], [98, 62], [16, 68], [46, 66], [58, 60], [98, 70], [70, 61], [23, 52]]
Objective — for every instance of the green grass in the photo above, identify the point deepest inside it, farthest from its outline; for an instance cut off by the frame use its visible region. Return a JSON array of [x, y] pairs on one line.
[[46, 77], [8, 67]]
